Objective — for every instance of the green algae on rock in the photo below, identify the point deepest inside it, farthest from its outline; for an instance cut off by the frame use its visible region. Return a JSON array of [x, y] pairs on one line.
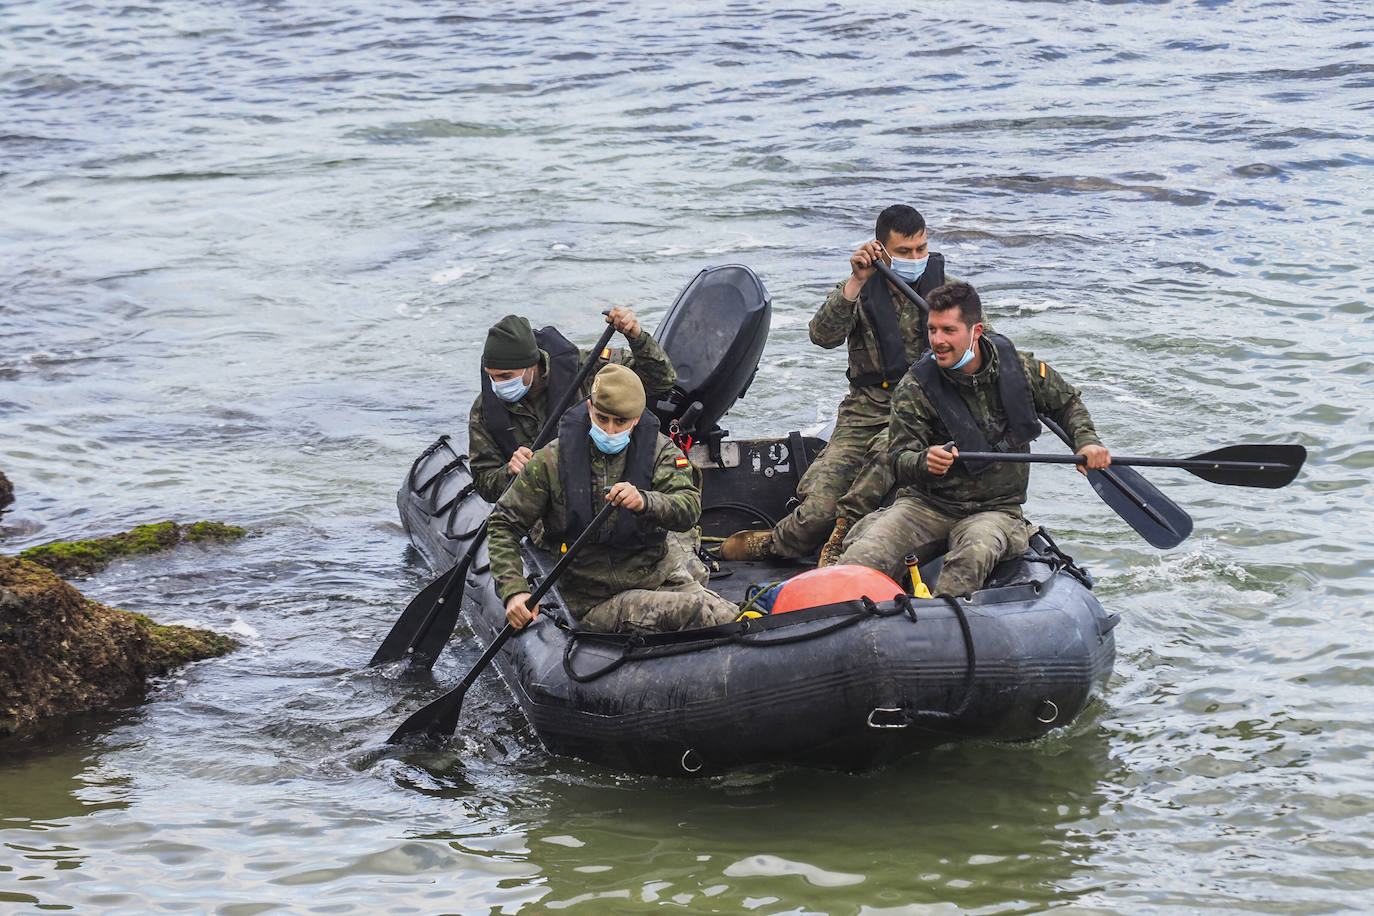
[[62, 653], [82, 558]]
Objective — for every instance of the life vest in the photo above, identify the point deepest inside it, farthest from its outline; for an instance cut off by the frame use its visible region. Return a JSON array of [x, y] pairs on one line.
[[580, 504], [1021, 424], [882, 316], [562, 370]]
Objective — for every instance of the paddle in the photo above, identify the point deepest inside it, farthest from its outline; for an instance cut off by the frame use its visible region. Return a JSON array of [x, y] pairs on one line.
[[1154, 516], [424, 627], [441, 716], [1268, 466]]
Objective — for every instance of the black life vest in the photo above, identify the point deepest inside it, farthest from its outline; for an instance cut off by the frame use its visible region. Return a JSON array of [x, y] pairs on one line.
[[882, 315], [562, 370], [1021, 424], [580, 504]]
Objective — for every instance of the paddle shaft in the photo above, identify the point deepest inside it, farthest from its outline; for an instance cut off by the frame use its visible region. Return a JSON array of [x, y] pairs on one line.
[[1267, 466], [1130, 460], [451, 592], [441, 716]]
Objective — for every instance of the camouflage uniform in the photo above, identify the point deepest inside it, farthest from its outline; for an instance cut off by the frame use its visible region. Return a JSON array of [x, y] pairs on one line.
[[850, 477], [609, 588], [978, 514], [490, 466]]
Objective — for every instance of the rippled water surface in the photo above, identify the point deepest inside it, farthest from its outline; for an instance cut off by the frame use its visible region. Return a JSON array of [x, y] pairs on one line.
[[248, 251]]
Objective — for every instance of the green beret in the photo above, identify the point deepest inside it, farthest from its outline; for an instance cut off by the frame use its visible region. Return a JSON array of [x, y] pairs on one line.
[[510, 345], [618, 391]]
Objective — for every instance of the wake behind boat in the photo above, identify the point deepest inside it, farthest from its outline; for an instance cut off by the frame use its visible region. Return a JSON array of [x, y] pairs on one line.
[[852, 676]]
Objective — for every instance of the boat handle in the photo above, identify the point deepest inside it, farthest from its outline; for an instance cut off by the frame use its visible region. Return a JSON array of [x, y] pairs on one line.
[[690, 757], [888, 710], [1048, 712]]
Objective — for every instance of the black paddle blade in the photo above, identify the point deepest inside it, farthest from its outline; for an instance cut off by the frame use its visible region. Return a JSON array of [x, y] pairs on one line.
[[1267, 466], [432, 718], [426, 624], [1154, 516], [396, 646], [440, 718]]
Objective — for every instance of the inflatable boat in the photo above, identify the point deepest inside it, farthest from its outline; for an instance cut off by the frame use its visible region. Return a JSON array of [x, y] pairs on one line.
[[846, 681]]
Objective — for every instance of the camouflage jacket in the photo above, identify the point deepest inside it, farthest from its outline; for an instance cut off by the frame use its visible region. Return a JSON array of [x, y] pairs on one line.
[[839, 320], [486, 458], [915, 426], [599, 570]]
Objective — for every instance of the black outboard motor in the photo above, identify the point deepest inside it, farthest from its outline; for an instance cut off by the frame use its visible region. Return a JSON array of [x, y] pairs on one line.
[[714, 334]]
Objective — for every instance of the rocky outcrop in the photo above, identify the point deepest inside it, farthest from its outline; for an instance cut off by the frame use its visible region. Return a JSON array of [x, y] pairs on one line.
[[62, 653], [6, 491], [82, 558]]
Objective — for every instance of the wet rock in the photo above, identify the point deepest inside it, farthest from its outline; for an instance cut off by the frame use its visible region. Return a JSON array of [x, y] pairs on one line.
[[82, 558], [6, 491], [62, 653]]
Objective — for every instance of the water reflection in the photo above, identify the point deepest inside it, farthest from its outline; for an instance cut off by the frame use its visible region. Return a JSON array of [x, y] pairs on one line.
[[980, 826]]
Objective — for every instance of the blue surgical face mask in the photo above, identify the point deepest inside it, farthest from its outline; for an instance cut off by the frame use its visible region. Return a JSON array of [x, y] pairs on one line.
[[610, 443], [968, 354], [909, 270], [512, 389]]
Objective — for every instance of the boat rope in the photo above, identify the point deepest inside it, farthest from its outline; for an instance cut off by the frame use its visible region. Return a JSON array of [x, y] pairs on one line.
[[970, 671], [415, 466], [641, 646]]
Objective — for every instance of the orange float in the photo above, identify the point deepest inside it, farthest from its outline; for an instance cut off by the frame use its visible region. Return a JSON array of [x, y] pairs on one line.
[[832, 584]]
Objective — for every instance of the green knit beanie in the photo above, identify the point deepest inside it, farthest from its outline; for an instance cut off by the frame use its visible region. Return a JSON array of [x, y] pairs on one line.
[[510, 345]]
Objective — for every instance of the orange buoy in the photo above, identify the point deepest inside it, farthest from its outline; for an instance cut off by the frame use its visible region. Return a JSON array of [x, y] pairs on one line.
[[831, 584]]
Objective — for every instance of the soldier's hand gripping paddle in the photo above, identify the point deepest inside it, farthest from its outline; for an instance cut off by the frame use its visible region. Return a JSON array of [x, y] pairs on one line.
[[1154, 516], [424, 627], [441, 716]]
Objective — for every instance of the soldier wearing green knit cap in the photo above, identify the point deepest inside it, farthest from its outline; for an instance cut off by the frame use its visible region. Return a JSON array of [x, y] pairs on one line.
[[628, 577], [524, 371]]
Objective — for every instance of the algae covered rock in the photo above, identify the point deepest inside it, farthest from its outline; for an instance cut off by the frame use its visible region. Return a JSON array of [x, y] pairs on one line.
[[62, 653], [82, 558]]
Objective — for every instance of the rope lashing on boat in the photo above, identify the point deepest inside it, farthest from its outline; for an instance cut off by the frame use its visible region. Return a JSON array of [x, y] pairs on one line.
[[1066, 562], [453, 516], [970, 671], [458, 497], [746, 509], [666, 645], [415, 466]]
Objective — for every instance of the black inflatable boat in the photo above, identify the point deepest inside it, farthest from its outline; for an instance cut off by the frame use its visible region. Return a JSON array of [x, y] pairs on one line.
[[848, 684]]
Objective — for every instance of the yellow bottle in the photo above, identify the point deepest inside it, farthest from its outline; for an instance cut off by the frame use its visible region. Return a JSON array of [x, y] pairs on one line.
[[918, 588]]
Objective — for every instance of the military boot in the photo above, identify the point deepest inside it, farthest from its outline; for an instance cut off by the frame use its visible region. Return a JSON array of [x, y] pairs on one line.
[[747, 545], [830, 553]]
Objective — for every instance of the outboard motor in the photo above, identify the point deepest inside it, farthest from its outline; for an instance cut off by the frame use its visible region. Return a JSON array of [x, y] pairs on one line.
[[714, 334]]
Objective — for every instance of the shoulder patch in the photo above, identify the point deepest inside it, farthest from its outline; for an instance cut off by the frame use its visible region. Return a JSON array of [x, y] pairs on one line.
[[605, 352], [1043, 369], [680, 461]]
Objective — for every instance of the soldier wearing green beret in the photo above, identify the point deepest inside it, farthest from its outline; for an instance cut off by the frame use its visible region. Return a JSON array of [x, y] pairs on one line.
[[524, 371], [975, 389], [626, 578]]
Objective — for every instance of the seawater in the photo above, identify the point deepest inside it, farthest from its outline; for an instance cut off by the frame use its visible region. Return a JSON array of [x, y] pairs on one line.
[[248, 252]]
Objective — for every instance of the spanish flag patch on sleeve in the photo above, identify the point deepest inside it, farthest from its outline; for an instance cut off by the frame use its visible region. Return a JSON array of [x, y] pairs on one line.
[[1043, 369], [680, 461], [605, 352]]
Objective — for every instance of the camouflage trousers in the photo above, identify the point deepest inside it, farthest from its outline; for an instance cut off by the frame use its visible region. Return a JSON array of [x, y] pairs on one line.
[[679, 603], [976, 543], [683, 547], [848, 479]]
